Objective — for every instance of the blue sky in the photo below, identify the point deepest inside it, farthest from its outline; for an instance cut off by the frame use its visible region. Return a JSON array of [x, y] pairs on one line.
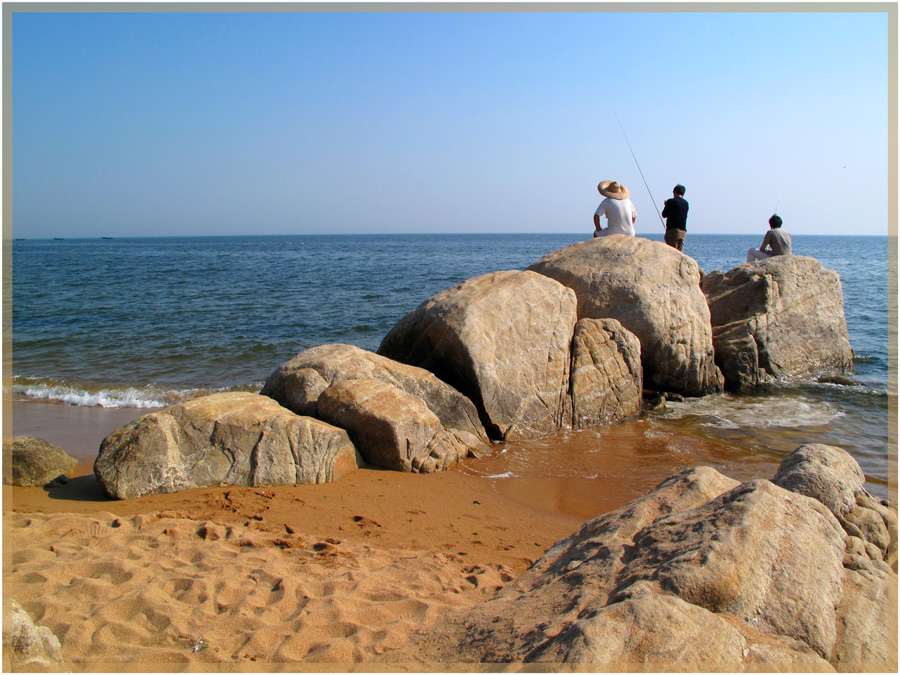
[[217, 123]]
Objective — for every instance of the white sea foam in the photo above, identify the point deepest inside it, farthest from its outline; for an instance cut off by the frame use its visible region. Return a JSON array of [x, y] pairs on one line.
[[112, 397], [731, 412], [106, 398]]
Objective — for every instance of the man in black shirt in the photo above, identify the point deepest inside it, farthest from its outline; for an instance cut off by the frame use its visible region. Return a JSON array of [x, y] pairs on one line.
[[675, 212]]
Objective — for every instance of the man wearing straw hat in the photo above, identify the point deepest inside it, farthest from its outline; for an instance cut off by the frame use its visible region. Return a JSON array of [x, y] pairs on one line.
[[618, 209]]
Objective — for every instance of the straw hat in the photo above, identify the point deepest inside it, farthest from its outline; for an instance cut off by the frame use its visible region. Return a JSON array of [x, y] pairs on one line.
[[613, 190]]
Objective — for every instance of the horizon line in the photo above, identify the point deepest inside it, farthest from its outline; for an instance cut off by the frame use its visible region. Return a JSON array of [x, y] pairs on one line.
[[643, 235]]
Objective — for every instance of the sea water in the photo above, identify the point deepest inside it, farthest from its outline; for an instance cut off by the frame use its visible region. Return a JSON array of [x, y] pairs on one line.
[[148, 322]]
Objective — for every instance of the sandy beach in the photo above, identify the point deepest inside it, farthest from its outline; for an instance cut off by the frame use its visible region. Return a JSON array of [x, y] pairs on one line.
[[351, 572], [350, 575]]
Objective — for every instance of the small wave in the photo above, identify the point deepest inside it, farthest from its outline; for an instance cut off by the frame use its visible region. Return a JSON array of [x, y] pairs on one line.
[[867, 359], [112, 396]]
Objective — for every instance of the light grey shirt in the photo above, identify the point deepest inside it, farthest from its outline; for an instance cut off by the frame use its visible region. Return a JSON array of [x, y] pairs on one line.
[[778, 240]]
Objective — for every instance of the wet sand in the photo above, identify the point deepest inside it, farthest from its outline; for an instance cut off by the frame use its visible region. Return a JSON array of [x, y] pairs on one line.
[[76, 429], [351, 572]]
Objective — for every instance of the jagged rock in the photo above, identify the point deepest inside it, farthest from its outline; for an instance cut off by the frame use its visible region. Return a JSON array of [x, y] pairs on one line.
[[298, 383], [24, 643], [606, 376], [33, 462], [225, 439], [391, 428], [654, 291], [703, 573], [778, 317], [503, 340]]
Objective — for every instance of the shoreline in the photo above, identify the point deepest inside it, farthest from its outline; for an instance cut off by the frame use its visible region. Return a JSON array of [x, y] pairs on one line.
[[475, 509], [78, 430], [351, 574]]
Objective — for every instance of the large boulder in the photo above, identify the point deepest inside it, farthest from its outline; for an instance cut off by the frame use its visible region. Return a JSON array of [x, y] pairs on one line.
[[606, 375], [393, 429], [778, 317], [233, 438], [654, 291], [33, 462], [701, 572], [503, 340], [298, 383]]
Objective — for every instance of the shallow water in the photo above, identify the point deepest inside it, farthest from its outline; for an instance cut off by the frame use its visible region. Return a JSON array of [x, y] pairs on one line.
[[586, 472]]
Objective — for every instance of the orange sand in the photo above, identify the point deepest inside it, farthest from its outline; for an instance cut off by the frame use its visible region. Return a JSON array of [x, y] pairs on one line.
[[350, 574]]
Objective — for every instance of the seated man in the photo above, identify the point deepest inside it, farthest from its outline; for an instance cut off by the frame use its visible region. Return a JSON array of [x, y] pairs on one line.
[[618, 209], [775, 242]]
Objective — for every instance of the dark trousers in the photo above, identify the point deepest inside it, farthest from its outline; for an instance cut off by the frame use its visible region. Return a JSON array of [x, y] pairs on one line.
[[675, 238]]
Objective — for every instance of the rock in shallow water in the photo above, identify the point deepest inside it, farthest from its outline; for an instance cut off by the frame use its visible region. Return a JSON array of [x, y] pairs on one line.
[[654, 292], [606, 376], [778, 317], [503, 340]]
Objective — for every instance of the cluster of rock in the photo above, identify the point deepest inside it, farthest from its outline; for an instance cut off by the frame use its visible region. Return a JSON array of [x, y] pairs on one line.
[[505, 341], [571, 342], [709, 574]]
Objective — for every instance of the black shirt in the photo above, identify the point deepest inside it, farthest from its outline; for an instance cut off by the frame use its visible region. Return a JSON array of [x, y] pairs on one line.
[[675, 212]]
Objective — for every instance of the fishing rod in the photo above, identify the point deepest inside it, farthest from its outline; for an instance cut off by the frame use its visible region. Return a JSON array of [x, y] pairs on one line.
[[641, 172]]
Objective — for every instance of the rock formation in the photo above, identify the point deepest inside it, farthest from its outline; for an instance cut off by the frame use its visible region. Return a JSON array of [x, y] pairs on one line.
[[606, 376], [393, 429], [224, 439], [778, 317], [503, 340], [26, 646], [33, 462], [708, 574], [298, 383], [654, 292]]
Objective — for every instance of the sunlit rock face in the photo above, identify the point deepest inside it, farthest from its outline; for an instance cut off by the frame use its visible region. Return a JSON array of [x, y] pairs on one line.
[[778, 317], [654, 291]]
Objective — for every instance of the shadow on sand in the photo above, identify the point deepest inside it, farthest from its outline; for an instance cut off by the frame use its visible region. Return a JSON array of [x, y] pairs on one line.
[[80, 489]]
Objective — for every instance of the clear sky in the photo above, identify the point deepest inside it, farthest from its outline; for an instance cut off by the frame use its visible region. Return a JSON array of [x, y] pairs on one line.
[[218, 123]]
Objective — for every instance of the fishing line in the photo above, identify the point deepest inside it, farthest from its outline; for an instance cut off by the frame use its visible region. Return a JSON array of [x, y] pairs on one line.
[[641, 172]]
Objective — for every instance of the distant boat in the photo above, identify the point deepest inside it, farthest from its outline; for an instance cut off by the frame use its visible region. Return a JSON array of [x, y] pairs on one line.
[[107, 237], [58, 238], [20, 238]]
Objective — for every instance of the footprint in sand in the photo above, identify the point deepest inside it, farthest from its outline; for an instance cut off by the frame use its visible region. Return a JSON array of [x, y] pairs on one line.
[[367, 525]]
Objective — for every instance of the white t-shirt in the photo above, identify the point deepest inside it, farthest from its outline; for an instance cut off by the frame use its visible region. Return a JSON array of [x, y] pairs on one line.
[[620, 215]]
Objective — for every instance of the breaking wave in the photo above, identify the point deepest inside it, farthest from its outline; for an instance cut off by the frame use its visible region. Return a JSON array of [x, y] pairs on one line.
[[88, 395]]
